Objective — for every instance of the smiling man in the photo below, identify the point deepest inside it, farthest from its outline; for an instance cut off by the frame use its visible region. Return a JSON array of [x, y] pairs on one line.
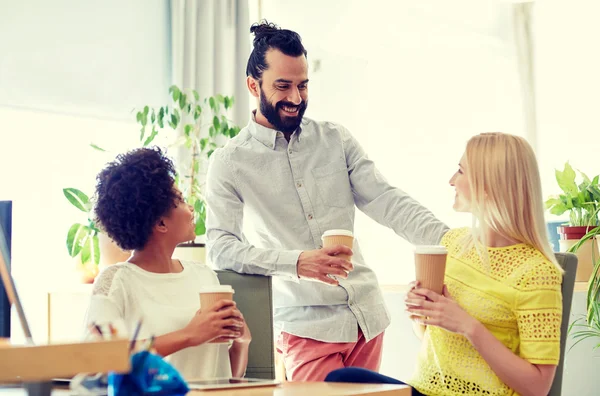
[[273, 191]]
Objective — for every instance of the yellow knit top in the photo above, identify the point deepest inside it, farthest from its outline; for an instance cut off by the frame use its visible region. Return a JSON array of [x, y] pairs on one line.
[[516, 294]]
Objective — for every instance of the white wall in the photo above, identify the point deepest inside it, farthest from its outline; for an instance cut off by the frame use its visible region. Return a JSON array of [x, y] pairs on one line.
[[568, 86], [99, 58], [412, 81], [70, 74]]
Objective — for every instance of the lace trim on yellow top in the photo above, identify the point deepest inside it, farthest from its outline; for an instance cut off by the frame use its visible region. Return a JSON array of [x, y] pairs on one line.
[[517, 296]]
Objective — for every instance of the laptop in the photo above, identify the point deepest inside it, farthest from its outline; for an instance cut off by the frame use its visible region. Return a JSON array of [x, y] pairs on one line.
[[230, 383]]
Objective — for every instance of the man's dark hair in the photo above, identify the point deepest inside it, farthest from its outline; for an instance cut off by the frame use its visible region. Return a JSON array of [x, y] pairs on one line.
[[132, 193], [269, 36]]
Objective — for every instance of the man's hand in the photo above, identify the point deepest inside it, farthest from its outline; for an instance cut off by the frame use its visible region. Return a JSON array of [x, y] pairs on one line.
[[317, 264]]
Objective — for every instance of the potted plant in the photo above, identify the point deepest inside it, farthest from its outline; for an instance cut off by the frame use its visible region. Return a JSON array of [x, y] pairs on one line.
[[195, 127], [582, 201], [589, 326], [91, 248]]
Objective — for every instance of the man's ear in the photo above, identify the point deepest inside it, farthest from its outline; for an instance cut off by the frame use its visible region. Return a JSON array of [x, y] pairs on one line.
[[253, 86], [161, 226]]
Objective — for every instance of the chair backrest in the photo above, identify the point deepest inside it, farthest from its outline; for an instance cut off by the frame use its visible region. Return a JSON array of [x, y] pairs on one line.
[[569, 263], [253, 296]]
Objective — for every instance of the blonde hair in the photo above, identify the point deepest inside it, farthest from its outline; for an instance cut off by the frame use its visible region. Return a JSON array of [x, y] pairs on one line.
[[506, 191]]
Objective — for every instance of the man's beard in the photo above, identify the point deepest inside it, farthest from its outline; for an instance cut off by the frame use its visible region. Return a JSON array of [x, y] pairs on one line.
[[286, 124]]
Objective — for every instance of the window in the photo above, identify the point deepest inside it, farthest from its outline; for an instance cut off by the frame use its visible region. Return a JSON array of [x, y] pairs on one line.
[[413, 81]]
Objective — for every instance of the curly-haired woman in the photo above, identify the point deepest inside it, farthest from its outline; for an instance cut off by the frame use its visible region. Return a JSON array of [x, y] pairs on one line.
[[141, 209]]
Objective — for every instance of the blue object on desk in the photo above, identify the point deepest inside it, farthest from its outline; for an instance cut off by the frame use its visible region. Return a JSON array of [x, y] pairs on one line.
[[150, 375]]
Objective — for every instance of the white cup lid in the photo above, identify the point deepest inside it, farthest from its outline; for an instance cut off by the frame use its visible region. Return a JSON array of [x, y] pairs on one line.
[[337, 232], [217, 289], [430, 249]]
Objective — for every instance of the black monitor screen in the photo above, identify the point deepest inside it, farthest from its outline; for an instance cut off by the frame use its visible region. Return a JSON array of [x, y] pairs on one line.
[[5, 240]]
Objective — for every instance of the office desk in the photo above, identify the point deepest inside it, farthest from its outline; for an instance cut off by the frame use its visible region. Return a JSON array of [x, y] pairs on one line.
[[285, 389], [313, 388]]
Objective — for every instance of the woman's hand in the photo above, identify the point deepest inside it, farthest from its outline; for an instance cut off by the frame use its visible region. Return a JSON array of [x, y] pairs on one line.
[[411, 296], [222, 322], [246, 336], [429, 308]]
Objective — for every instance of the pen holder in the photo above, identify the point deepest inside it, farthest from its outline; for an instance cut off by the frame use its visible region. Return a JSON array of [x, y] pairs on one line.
[[150, 375]]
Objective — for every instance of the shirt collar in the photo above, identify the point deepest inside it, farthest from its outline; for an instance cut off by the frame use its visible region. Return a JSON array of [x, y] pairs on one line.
[[267, 136]]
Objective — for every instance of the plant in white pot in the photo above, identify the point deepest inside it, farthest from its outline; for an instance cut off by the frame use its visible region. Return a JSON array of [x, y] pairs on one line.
[[91, 248], [196, 127], [582, 202]]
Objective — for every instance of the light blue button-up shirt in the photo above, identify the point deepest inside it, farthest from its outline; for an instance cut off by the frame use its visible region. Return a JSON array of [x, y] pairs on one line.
[[268, 200]]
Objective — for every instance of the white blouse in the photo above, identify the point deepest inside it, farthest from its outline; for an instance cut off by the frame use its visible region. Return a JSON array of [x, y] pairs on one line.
[[124, 293]]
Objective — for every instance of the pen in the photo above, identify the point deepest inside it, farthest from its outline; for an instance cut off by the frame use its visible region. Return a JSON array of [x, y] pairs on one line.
[[135, 335]]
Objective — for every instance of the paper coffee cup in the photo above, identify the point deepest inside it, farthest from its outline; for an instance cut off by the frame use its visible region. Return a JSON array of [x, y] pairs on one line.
[[430, 266], [211, 294], [338, 237]]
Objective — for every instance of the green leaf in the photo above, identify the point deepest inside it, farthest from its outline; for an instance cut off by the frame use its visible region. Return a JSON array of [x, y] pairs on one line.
[[188, 129], [77, 199], [199, 206], [233, 132], [74, 236], [201, 223], [210, 152], [196, 95], [212, 103], [175, 92], [220, 98], [197, 112], [182, 101], [216, 123], [86, 251], [211, 131], [153, 117], [160, 118], [95, 147], [566, 180], [96, 249], [142, 133], [203, 143], [174, 121], [586, 179], [151, 137], [138, 117], [558, 209], [227, 103]]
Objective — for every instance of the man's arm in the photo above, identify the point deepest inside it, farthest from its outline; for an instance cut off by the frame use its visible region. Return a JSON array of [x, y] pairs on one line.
[[228, 249], [386, 204]]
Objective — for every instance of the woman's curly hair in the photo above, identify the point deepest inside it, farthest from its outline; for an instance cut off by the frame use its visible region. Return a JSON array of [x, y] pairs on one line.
[[132, 193]]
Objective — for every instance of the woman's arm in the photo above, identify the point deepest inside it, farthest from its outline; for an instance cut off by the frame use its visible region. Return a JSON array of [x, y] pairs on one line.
[[517, 373], [238, 353], [442, 311], [222, 320]]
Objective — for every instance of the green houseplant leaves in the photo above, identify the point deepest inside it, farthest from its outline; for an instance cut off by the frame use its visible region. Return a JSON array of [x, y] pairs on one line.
[[582, 200], [199, 127], [82, 239]]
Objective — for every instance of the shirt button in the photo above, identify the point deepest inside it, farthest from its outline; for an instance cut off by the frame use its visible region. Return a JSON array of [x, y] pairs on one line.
[[310, 217], [298, 184], [290, 151]]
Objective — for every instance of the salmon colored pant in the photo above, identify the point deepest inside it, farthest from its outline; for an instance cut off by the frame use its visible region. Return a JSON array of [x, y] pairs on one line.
[[306, 359]]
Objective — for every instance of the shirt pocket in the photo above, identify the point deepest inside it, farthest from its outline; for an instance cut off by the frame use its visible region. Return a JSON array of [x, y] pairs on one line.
[[333, 185]]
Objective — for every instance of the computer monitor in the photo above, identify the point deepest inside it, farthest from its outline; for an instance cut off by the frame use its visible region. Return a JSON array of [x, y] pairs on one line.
[[5, 235], [9, 291]]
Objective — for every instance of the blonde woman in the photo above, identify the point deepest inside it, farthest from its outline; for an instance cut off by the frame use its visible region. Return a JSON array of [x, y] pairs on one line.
[[495, 330]]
